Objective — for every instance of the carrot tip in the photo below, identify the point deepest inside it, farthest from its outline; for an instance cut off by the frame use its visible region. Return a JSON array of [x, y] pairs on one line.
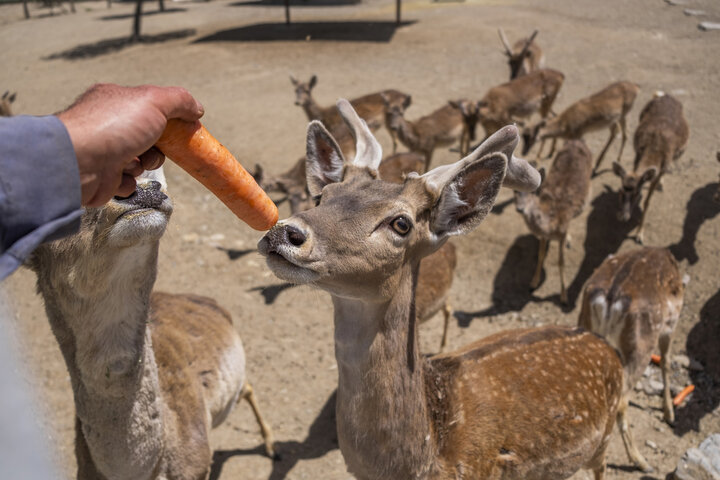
[[682, 395]]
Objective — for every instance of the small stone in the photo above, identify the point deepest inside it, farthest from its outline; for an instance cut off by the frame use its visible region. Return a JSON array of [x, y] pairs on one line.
[[695, 366], [217, 237], [191, 238], [702, 463], [693, 13], [682, 360], [706, 26], [651, 444], [676, 2], [651, 386], [649, 371]]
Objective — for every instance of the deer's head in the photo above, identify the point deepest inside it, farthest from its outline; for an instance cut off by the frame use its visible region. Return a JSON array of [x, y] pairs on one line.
[[470, 113], [516, 57], [303, 90], [395, 109], [363, 229], [5, 104], [630, 191]]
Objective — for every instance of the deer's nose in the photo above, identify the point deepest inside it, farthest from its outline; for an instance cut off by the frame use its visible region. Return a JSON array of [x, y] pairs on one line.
[[295, 236], [281, 235]]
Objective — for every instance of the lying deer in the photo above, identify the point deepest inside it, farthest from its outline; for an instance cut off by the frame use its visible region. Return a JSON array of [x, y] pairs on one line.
[[528, 404], [660, 139], [604, 109], [442, 127], [518, 99], [6, 104], [151, 373], [370, 107], [563, 196], [634, 300], [524, 57]]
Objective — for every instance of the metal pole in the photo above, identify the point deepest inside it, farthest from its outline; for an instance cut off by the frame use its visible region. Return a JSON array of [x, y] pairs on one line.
[[287, 12], [397, 12]]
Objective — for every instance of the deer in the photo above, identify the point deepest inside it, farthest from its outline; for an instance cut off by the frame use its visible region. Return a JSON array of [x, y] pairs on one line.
[[607, 108], [532, 403], [443, 127], [151, 372], [370, 107], [6, 104], [524, 57], [634, 300], [563, 196], [660, 139]]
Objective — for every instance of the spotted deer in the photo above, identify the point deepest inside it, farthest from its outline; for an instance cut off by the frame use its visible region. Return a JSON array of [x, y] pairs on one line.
[[634, 300], [151, 372], [562, 197], [604, 109], [370, 107], [524, 57], [6, 104], [660, 139], [527, 404]]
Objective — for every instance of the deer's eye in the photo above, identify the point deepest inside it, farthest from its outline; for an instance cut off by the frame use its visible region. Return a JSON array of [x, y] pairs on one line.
[[401, 225]]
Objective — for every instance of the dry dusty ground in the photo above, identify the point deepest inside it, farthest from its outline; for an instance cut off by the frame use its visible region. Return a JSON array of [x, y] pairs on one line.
[[236, 59]]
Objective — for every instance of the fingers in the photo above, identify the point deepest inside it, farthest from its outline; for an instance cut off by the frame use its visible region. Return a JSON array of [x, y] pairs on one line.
[[134, 168], [152, 159], [176, 102], [127, 186]]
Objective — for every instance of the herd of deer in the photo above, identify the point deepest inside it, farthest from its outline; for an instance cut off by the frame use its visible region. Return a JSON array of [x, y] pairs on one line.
[[152, 372]]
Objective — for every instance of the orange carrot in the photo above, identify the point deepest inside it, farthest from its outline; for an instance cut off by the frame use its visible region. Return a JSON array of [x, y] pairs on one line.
[[655, 359], [197, 152], [681, 396]]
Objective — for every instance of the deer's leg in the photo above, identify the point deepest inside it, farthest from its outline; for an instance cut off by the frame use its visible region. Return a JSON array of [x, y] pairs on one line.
[[552, 147], [428, 158], [668, 410], [613, 132], [599, 472], [542, 251], [561, 267], [646, 204], [393, 136], [623, 131], [447, 311], [249, 394], [634, 456]]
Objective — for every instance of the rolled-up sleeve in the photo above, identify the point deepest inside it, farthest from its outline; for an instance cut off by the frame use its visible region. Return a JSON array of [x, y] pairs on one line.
[[39, 187]]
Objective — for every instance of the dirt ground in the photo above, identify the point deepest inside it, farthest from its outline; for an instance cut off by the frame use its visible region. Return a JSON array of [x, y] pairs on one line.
[[235, 57]]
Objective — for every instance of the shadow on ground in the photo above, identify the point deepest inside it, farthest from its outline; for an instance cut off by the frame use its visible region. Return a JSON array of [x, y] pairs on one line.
[[295, 3], [321, 439], [700, 207], [125, 16], [302, 31], [103, 47], [271, 292]]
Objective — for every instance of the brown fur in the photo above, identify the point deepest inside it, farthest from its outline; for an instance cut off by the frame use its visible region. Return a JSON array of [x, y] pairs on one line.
[[562, 197], [524, 57], [6, 102], [634, 300]]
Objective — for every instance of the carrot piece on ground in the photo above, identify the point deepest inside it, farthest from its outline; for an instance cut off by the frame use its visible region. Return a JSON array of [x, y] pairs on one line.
[[655, 359], [191, 146], [681, 396]]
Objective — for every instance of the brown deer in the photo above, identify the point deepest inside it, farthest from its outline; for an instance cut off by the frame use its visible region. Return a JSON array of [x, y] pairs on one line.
[[6, 104], [634, 301], [151, 373], [370, 107], [522, 404], [518, 99], [563, 196], [604, 109], [442, 127], [660, 139], [524, 57]]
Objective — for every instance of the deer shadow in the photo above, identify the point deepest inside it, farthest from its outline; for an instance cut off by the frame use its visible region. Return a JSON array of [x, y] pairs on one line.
[[321, 439], [234, 254], [358, 31], [700, 207], [271, 292], [702, 345]]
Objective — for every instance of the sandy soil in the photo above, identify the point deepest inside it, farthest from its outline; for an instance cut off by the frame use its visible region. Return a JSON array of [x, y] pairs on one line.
[[236, 59]]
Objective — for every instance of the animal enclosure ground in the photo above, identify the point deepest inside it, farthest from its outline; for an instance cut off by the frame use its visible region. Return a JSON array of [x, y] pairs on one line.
[[235, 57]]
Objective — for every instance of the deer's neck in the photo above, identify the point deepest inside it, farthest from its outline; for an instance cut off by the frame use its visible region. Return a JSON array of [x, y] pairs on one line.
[[528, 204], [407, 133], [383, 425], [99, 314], [313, 110]]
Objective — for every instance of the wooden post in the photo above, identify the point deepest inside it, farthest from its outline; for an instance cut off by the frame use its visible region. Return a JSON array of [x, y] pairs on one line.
[[397, 11], [136, 23], [287, 12], [25, 9]]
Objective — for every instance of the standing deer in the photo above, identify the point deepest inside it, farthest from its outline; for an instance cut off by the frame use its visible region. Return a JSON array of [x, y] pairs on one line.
[[442, 127], [523, 404], [6, 104], [634, 301], [660, 139], [563, 196], [604, 109], [524, 57], [518, 99], [370, 107], [151, 373]]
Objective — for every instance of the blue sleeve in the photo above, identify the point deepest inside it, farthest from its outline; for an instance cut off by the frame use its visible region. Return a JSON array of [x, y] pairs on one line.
[[39, 187]]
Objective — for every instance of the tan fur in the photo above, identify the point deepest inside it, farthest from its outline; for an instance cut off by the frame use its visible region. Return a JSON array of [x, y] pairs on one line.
[[604, 109], [151, 374], [634, 300], [524, 57], [6, 104], [659, 140], [524, 404], [562, 197], [371, 108]]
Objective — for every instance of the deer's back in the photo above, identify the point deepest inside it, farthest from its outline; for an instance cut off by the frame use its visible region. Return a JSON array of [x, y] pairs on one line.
[[434, 281], [630, 299], [395, 167], [662, 128], [561, 384], [618, 96], [200, 357], [444, 124]]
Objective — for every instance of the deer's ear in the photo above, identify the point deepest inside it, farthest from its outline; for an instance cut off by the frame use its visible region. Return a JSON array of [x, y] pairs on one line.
[[325, 161], [407, 101], [11, 99], [468, 197], [312, 82], [648, 175]]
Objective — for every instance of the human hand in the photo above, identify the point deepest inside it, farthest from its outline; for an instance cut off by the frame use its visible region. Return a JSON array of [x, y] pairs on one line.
[[113, 130]]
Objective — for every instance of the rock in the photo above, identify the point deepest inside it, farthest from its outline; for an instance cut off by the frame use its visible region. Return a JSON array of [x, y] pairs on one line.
[[676, 2], [706, 26], [693, 13], [682, 360], [649, 371], [702, 463], [651, 444], [191, 238], [217, 237], [695, 366]]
